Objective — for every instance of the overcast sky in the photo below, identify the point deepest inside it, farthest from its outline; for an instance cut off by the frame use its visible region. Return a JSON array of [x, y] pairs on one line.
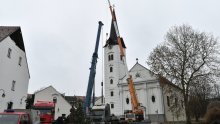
[[60, 35]]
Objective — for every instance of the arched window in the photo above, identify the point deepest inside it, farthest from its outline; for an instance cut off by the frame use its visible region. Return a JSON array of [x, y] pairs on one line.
[[109, 57], [112, 93], [153, 98], [111, 81], [111, 69], [127, 100], [112, 57]]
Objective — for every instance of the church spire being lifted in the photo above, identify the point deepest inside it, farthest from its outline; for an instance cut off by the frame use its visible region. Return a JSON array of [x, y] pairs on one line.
[[115, 38]]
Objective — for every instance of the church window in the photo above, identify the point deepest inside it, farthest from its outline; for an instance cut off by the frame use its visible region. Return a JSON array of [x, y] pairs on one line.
[[111, 81], [109, 57], [112, 57], [153, 98], [168, 101], [127, 100], [111, 69], [112, 105], [112, 93]]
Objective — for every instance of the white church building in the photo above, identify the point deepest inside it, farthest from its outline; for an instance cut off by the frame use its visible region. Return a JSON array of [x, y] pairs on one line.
[[14, 72], [156, 95]]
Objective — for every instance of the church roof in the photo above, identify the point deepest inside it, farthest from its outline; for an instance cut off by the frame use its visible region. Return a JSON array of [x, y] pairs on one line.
[[137, 64], [113, 37], [14, 32]]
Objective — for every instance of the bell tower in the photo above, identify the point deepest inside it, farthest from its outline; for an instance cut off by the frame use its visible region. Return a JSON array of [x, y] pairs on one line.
[[114, 72]]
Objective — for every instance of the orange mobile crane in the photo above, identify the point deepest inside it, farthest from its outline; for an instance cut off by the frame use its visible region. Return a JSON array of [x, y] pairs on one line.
[[137, 113]]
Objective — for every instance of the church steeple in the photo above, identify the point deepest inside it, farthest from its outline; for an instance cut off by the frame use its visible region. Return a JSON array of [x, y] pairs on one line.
[[115, 66], [113, 37]]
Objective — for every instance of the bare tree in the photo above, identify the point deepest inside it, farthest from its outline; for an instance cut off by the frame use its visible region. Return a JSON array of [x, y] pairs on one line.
[[185, 56]]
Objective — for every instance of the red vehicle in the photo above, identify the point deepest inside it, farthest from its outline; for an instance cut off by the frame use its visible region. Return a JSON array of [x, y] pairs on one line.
[[46, 109], [21, 117]]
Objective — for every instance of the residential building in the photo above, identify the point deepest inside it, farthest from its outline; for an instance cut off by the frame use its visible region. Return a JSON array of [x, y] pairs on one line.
[[62, 106], [14, 72]]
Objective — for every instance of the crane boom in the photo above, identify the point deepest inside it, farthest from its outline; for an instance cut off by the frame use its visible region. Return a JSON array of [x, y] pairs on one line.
[[116, 30], [92, 72], [132, 91]]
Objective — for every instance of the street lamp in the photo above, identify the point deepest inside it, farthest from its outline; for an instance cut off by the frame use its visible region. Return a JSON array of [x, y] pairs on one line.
[[22, 99], [3, 94]]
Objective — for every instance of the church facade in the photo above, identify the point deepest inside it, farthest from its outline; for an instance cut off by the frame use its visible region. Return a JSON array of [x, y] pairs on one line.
[[160, 99]]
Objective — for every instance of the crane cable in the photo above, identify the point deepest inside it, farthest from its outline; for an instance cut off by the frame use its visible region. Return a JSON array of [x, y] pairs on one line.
[[102, 54]]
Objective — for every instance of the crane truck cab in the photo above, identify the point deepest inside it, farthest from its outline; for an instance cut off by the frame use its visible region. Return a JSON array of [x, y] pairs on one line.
[[46, 111]]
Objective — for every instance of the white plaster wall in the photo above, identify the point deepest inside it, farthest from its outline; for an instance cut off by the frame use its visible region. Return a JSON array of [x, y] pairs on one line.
[[9, 71], [47, 94], [169, 115], [153, 89], [144, 93]]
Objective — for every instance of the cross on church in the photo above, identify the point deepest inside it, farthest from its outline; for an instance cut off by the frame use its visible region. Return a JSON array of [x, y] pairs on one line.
[[137, 60]]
